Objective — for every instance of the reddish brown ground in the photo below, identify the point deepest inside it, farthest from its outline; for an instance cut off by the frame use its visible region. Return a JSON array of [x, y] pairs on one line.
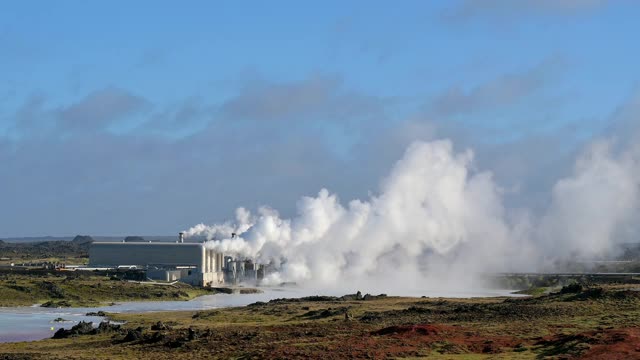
[[454, 338], [606, 344], [421, 339], [355, 341]]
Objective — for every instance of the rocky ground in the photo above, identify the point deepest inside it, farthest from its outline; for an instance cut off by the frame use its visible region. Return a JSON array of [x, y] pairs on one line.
[[600, 322], [67, 289]]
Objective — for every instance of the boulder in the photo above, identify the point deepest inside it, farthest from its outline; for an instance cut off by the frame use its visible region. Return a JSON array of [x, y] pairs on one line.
[[160, 326], [133, 335], [82, 328]]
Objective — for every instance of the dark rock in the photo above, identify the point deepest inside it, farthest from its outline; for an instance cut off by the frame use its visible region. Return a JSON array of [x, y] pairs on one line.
[[133, 335], [156, 337], [573, 288], [591, 293], [193, 334], [54, 290], [99, 313], [82, 328], [61, 334], [358, 296], [250, 291], [223, 290], [352, 297], [160, 326], [107, 327], [56, 304], [374, 297]]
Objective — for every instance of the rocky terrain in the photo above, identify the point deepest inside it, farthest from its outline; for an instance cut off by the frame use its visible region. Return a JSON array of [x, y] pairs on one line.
[[595, 322]]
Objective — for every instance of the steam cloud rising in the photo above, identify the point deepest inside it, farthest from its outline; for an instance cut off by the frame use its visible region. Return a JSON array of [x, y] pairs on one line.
[[438, 221]]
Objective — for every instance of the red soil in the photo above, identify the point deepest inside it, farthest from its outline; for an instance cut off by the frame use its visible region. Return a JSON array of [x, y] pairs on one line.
[[609, 344], [355, 341], [418, 329], [459, 339]]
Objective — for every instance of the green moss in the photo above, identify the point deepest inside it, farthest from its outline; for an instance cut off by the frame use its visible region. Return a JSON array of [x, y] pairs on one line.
[[24, 290]]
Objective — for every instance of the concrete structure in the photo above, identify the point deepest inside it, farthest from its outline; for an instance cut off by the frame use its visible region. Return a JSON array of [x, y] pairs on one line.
[[192, 263], [188, 262], [242, 271]]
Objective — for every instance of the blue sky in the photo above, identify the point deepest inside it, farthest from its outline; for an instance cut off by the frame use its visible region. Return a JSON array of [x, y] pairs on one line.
[[145, 117]]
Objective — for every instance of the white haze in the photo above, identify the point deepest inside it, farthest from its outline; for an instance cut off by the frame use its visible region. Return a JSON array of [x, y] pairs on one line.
[[437, 222]]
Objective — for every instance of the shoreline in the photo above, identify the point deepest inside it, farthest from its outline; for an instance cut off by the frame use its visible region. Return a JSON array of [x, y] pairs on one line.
[[575, 321]]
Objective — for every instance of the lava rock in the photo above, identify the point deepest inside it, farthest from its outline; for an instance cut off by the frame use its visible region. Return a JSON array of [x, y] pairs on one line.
[[193, 334], [107, 327], [99, 313], [82, 328], [160, 326], [133, 335]]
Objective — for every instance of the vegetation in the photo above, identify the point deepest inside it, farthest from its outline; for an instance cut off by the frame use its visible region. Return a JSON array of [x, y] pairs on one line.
[[63, 289], [579, 322], [75, 251]]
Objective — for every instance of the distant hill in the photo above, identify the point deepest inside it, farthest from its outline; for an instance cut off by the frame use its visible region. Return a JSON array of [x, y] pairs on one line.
[[35, 239], [154, 238], [78, 247], [134, 239], [82, 239], [31, 239]]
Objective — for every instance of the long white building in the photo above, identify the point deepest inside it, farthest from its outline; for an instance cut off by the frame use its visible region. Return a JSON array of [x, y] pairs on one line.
[[188, 262]]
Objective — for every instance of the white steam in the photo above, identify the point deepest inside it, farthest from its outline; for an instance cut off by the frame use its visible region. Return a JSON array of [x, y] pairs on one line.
[[591, 209], [435, 220]]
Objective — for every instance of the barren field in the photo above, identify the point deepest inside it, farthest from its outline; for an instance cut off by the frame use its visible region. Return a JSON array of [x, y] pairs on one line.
[[588, 323]]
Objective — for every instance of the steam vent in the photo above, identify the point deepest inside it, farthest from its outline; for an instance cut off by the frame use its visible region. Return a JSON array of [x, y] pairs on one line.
[[191, 263]]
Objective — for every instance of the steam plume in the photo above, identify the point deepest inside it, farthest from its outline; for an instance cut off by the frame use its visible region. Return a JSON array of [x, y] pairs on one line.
[[434, 220]]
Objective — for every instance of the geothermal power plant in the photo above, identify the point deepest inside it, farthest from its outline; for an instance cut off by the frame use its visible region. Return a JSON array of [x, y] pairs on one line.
[[187, 262]]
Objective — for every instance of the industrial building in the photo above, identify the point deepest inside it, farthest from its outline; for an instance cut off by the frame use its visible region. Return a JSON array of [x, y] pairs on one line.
[[191, 263]]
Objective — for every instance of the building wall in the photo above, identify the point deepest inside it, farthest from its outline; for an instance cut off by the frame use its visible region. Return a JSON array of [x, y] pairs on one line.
[[143, 254], [204, 279], [165, 275], [208, 271]]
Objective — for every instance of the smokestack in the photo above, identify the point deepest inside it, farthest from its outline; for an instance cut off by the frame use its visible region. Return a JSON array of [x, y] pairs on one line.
[[181, 237]]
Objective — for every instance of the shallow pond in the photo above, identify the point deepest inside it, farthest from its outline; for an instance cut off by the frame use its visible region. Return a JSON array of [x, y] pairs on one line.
[[35, 323]]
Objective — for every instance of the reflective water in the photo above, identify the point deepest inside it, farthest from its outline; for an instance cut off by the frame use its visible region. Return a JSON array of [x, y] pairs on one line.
[[35, 323], [20, 324]]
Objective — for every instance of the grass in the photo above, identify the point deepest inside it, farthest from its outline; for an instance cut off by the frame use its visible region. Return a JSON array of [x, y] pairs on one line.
[[560, 325], [64, 290]]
